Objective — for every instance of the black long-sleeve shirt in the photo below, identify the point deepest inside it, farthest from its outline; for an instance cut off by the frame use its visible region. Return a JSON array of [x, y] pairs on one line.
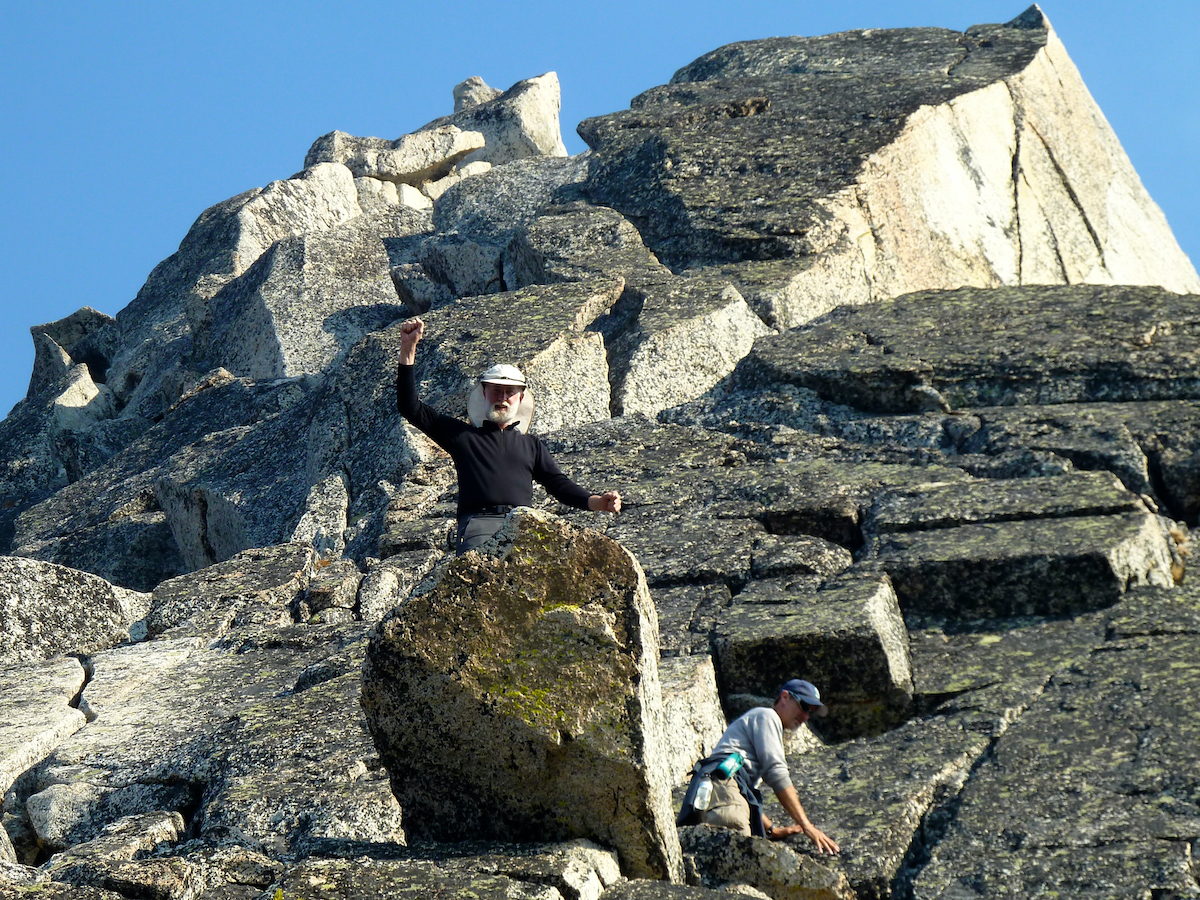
[[496, 467]]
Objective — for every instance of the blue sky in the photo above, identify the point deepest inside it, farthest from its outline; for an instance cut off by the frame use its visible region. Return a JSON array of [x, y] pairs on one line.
[[123, 121]]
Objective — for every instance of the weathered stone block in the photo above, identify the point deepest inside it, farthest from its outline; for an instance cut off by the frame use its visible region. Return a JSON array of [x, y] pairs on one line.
[[107, 861], [307, 300], [491, 206], [411, 159], [675, 546], [694, 720], [332, 592], [847, 638], [532, 676], [207, 602], [780, 555], [465, 266], [521, 122], [48, 610], [721, 856], [689, 334], [1042, 567], [542, 330]]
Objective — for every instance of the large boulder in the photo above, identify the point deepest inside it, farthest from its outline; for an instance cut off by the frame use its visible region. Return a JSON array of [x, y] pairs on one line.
[[721, 857], [532, 676], [48, 610], [847, 637], [65, 338], [155, 328]]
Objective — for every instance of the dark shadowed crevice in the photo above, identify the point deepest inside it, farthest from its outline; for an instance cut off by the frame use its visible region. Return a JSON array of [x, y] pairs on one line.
[[935, 824], [89, 672]]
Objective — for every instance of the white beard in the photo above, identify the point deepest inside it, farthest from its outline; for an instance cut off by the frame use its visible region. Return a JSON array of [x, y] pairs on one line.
[[502, 417]]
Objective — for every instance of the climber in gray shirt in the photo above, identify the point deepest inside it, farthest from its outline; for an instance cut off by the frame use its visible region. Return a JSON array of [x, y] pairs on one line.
[[758, 737]]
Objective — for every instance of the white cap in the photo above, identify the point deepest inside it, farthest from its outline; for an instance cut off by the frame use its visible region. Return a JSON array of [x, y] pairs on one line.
[[503, 374]]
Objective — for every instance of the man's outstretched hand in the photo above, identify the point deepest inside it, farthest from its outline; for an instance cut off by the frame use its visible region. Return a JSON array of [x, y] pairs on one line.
[[608, 502], [411, 333]]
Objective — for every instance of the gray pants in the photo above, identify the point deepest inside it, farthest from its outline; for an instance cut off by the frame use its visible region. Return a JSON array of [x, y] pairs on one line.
[[476, 530]]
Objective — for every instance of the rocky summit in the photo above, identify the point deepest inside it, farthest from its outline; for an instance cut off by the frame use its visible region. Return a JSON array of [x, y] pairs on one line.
[[895, 365]]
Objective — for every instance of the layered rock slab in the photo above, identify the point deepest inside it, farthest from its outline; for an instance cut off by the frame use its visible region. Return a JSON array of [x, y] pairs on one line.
[[1092, 791], [1034, 567], [260, 585], [722, 857], [36, 713], [1006, 347], [531, 675], [48, 610], [174, 728], [577, 870]]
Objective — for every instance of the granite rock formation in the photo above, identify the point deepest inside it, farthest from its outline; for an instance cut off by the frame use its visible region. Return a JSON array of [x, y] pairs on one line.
[[895, 365]]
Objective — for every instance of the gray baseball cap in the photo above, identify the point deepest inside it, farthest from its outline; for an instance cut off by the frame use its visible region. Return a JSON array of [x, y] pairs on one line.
[[806, 692]]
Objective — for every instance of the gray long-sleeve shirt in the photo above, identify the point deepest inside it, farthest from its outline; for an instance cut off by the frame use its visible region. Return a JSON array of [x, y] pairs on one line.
[[758, 736]]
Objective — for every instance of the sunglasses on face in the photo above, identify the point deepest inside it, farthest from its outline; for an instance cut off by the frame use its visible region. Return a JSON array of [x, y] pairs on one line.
[[807, 707]]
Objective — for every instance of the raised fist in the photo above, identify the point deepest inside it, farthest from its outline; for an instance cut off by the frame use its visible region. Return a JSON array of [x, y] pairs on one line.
[[410, 334]]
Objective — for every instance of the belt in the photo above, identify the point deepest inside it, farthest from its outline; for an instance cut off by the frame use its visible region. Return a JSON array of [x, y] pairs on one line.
[[489, 511]]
